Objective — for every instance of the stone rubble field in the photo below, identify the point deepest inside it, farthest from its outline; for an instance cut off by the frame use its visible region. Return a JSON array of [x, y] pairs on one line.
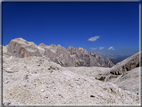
[[128, 81], [39, 81]]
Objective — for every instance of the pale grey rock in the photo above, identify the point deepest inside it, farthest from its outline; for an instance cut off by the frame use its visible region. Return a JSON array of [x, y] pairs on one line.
[[64, 57], [40, 81], [48, 53], [127, 64], [42, 45], [86, 59], [130, 80], [71, 57], [105, 62], [21, 48], [84, 51]]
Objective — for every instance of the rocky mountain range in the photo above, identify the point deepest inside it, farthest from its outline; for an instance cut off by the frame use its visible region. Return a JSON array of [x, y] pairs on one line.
[[65, 57]]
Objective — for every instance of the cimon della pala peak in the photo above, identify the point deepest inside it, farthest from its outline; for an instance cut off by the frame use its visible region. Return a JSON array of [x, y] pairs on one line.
[[65, 57]]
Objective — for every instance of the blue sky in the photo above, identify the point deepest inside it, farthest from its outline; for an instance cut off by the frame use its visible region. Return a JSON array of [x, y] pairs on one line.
[[103, 27]]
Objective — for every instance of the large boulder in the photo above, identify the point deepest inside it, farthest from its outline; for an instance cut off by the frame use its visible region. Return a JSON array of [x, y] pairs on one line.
[[126, 65], [130, 80]]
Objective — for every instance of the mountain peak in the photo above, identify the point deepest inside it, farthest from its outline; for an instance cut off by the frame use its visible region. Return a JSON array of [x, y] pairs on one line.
[[53, 45], [20, 39], [59, 45], [41, 44], [65, 57], [83, 50]]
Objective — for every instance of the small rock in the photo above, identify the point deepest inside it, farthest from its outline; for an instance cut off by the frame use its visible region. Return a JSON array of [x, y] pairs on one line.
[[46, 97], [26, 77], [92, 96], [42, 90], [6, 82], [60, 95]]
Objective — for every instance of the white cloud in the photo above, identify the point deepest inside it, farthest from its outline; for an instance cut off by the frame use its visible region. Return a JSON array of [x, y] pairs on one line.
[[93, 38], [111, 48], [93, 48], [101, 48]]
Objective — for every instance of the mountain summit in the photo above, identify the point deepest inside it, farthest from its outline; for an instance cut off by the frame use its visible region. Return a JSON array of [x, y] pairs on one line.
[[65, 57]]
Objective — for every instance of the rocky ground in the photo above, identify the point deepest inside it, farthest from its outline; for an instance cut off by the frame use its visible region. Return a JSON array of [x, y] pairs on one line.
[[129, 81], [39, 81]]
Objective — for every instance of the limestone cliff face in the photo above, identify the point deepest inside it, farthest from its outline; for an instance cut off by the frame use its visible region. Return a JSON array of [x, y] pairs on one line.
[[65, 57], [82, 56], [127, 64], [105, 62], [82, 50], [21, 48], [86, 59]]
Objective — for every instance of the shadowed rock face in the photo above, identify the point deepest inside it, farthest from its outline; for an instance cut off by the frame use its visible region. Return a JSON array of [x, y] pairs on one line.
[[102, 61], [65, 57], [87, 59], [126, 65], [62, 57]]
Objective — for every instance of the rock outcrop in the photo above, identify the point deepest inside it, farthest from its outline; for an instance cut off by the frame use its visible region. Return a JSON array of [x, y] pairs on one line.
[[21, 48], [65, 57], [130, 80], [127, 64], [86, 59], [102, 61]]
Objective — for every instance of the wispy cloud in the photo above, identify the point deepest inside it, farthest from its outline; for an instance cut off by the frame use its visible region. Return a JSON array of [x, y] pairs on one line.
[[93, 38], [111, 48], [101, 48], [93, 48]]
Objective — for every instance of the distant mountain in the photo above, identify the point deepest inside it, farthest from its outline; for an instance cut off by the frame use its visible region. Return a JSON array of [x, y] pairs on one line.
[[105, 55], [114, 58], [65, 57], [114, 61]]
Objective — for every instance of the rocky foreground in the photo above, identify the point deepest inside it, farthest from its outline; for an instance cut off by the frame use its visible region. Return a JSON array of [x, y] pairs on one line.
[[38, 80]]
